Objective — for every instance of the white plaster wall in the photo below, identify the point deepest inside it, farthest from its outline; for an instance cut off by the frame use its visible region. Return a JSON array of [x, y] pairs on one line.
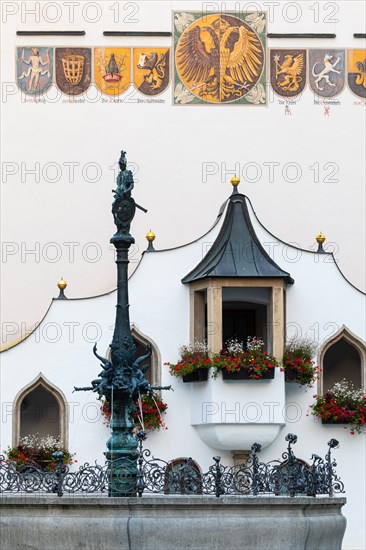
[[171, 148], [61, 348]]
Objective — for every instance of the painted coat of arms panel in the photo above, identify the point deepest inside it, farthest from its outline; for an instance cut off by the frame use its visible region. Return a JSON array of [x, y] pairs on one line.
[[73, 70], [327, 71], [151, 70], [288, 72], [357, 72], [34, 69], [112, 68], [219, 58]]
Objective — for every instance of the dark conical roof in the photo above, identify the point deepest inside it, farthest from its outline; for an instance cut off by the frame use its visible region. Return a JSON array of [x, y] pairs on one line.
[[237, 251]]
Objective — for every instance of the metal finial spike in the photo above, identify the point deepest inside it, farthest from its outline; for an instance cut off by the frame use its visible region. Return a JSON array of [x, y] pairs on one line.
[[320, 238], [235, 182], [62, 284], [150, 237]]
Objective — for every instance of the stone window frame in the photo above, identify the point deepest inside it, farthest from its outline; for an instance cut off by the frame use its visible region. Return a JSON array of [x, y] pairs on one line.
[[143, 339], [343, 333], [41, 380], [213, 286]]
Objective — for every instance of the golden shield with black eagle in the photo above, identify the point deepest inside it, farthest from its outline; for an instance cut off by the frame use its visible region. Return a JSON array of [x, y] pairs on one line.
[[219, 58]]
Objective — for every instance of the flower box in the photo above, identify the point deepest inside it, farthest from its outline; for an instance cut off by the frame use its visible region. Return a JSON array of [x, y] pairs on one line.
[[331, 421], [237, 363], [199, 375], [193, 364], [290, 375], [36, 452], [296, 361], [342, 404], [244, 374]]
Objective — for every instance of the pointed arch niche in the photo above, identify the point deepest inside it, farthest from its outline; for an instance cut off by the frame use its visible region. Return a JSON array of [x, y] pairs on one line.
[[41, 408], [153, 374], [342, 356]]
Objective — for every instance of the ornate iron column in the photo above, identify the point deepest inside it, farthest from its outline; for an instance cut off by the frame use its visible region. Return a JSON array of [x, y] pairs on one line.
[[122, 378]]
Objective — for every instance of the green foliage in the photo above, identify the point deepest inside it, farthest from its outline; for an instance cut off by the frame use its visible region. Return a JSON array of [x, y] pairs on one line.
[[233, 358], [36, 451], [192, 358], [148, 416], [298, 359], [342, 404]]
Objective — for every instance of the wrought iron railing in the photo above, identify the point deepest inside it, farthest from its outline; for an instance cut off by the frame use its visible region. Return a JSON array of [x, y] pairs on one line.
[[290, 476]]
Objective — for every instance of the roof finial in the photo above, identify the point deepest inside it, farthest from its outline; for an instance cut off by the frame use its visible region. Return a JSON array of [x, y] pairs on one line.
[[320, 238], [235, 182], [62, 284], [150, 237]]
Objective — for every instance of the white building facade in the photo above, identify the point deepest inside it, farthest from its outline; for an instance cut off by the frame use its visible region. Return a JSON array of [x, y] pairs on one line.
[[301, 292], [301, 163]]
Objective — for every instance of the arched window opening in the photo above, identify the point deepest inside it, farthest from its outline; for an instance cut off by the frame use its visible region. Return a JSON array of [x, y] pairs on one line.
[[153, 374], [341, 360], [40, 413], [183, 476], [40, 408], [141, 350], [300, 469], [342, 357]]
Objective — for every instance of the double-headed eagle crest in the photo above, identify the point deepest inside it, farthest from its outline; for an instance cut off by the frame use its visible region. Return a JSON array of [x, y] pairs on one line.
[[219, 58]]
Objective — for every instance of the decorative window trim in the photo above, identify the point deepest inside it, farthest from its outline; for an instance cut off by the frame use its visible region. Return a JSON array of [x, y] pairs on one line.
[[214, 287], [41, 380], [343, 333], [143, 339]]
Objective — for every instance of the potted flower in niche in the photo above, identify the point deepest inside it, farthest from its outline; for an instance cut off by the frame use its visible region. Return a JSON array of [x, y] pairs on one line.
[[249, 363], [297, 361], [343, 404], [36, 451], [193, 364]]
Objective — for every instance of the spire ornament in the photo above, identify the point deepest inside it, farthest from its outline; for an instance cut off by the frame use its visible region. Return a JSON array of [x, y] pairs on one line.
[[150, 237], [62, 284], [320, 239]]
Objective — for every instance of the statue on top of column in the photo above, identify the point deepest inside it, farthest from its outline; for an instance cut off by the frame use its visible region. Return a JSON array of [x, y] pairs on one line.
[[124, 180]]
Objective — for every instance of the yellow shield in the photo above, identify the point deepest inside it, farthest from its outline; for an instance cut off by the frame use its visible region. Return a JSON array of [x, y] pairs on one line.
[[357, 72], [151, 70], [112, 68]]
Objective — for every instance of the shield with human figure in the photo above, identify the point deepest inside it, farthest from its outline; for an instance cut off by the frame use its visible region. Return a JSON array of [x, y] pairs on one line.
[[34, 69]]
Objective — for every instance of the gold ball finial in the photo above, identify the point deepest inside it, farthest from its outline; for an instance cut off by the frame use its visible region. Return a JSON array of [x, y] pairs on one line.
[[320, 238], [235, 181], [150, 236], [62, 284]]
